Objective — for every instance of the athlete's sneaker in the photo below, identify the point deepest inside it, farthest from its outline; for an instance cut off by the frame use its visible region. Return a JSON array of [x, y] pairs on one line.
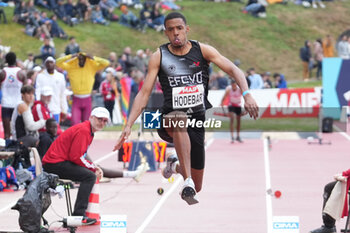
[[324, 229], [188, 192], [232, 140], [238, 139], [141, 170], [88, 221], [168, 171]]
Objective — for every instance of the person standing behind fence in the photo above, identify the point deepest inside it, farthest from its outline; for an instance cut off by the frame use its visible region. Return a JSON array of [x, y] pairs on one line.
[[328, 47], [343, 48], [108, 89], [12, 79], [318, 53], [305, 56], [50, 77], [81, 69]]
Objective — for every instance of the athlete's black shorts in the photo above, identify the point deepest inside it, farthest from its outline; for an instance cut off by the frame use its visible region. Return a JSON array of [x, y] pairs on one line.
[[197, 141], [234, 109], [6, 112]]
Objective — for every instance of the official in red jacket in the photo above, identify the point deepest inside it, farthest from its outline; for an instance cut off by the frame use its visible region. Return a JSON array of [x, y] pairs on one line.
[[66, 157]]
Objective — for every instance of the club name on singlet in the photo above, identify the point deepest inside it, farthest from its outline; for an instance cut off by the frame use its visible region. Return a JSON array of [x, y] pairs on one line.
[[184, 80], [187, 96]]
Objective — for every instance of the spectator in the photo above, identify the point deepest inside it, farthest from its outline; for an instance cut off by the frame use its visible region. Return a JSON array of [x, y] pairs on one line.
[[73, 47], [139, 61], [128, 18], [256, 8], [222, 80], [343, 48], [255, 79], [24, 128], [113, 60], [97, 16], [318, 53], [151, 16], [107, 8], [314, 5], [61, 13], [50, 77], [46, 50], [29, 62], [56, 30], [3, 16], [305, 56], [40, 108], [84, 10], [46, 138], [108, 90], [70, 11], [3, 51], [37, 27], [31, 76], [12, 79], [213, 81], [157, 16], [126, 61], [280, 81], [328, 47], [81, 69], [266, 79]]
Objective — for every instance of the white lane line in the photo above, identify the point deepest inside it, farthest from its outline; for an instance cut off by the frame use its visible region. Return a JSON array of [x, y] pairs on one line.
[[268, 186], [159, 204], [8, 207], [345, 135], [341, 132]]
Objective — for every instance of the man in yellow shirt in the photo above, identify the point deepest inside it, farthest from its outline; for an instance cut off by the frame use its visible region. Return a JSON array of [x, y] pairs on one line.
[[328, 47], [81, 69]]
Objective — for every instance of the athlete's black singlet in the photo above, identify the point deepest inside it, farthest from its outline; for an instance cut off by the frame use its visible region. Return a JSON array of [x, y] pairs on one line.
[[184, 80]]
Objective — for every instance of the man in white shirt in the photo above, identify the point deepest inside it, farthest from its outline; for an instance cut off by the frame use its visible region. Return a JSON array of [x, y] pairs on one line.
[[54, 79], [255, 79]]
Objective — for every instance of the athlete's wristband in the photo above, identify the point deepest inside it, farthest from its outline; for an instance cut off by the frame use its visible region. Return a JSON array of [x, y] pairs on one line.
[[245, 92]]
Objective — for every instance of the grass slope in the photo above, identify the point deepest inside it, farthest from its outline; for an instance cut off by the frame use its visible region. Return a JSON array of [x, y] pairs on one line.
[[270, 44]]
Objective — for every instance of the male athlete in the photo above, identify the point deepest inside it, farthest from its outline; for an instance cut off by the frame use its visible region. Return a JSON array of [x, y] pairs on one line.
[[182, 67]]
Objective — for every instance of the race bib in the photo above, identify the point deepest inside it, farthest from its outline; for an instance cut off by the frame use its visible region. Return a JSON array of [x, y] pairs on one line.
[[188, 96]]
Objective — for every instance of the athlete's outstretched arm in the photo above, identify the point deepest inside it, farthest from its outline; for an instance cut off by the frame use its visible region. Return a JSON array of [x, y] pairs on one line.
[[212, 55], [141, 98]]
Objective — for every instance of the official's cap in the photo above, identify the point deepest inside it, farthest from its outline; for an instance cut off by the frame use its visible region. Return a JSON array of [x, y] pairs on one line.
[[46, 91], [100, 112]]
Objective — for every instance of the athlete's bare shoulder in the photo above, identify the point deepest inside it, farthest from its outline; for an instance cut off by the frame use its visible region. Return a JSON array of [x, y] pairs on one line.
[[154, 60], [208, 51]]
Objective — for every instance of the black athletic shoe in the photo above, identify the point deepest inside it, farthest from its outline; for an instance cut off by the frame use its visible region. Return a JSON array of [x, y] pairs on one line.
[[188, 192], [88, 221], [324, 229]]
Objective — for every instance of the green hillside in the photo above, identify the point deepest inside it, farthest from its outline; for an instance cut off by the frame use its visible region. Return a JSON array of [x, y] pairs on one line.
[[270, 44]]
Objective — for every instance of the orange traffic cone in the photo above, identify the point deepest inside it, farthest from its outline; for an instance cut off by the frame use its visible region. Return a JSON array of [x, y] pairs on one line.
[[93, 210]]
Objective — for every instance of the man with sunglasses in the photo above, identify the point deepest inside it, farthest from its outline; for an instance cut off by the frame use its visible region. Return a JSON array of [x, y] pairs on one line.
[[67, 158]]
